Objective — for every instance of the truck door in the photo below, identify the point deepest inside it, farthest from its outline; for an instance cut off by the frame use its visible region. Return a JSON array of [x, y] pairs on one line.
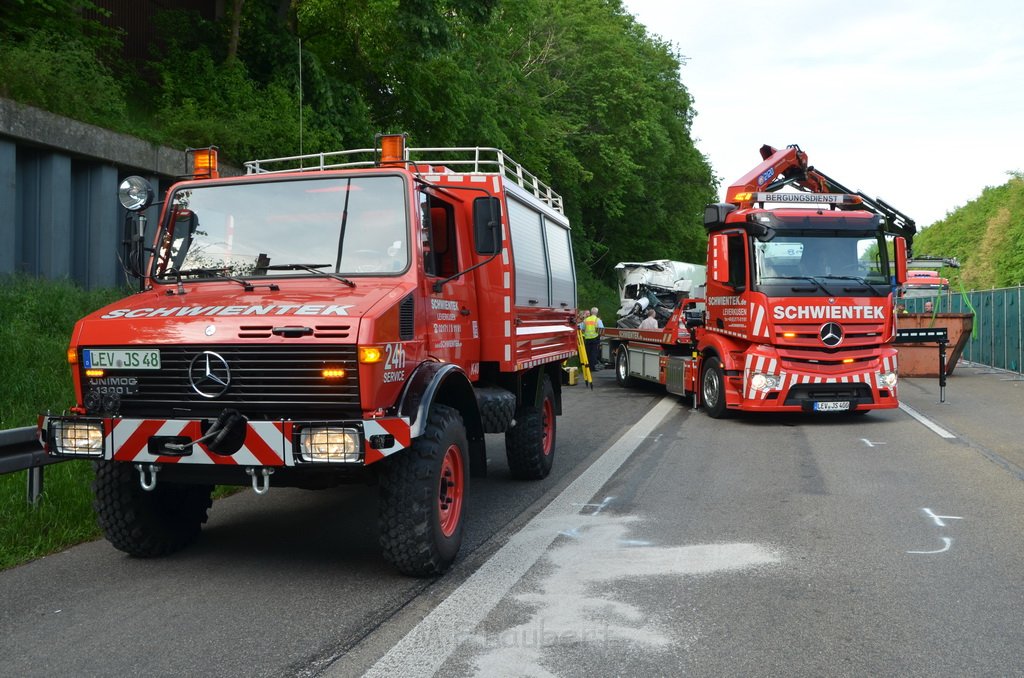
[[453, 321], [727, 309]]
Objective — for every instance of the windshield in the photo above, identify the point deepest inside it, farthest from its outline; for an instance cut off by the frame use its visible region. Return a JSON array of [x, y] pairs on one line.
[[834, 265], [351, 226]]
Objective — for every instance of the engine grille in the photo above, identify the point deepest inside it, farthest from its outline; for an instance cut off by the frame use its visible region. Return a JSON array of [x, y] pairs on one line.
[[805, 335], [266, 381]]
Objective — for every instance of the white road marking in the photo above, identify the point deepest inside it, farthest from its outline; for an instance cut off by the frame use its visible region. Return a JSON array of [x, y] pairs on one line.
[[426, 647], [945, 540], [938, 519], [938, 430], [869, 443]]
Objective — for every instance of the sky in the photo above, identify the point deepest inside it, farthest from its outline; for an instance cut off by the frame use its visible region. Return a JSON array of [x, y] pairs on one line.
[[919, 103]]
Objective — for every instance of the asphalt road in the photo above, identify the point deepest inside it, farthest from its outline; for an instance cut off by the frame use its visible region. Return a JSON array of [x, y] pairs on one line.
[[664, 543]]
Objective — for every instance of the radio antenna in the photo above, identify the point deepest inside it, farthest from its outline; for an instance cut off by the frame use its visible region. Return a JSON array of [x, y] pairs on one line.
[[300, 101]]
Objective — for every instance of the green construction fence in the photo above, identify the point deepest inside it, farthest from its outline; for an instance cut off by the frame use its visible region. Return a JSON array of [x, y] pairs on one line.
[[996, 337]]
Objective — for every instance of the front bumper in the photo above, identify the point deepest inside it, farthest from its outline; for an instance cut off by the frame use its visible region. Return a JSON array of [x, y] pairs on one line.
[[767, 386], [253, 443]]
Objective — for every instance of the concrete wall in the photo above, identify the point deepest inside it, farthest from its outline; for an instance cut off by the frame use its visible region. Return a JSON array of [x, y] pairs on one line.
[[59, 214], [34, 127]]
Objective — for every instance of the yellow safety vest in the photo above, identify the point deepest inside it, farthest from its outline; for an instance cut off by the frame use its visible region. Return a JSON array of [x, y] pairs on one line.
[[590, 327]]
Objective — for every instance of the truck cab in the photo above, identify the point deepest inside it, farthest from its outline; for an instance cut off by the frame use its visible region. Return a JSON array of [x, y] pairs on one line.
[[799, 307]]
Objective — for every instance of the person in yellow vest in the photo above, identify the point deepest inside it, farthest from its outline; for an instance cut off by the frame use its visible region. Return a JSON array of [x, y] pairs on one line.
[[582, 316], [592, 328]]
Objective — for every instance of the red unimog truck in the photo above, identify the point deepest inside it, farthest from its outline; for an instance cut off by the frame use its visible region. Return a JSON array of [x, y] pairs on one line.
[[358, 315]]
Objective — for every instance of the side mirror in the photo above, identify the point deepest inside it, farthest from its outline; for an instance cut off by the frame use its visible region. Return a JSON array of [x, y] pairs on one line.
[[487, 225], [719, 259], [135, 194], [133, 251], [715, 214], [899, 248]]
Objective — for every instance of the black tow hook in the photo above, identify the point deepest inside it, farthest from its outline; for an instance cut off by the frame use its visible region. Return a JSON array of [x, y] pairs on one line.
[[228, 432], [224, 436]]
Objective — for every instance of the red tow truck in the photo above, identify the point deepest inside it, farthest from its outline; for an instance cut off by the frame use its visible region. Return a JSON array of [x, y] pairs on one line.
[[797, 313], [924, 278], [364, 315], [661, 285]]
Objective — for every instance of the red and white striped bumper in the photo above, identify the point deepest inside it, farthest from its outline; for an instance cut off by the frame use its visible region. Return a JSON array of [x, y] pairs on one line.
[[770, 366], [266, 443]]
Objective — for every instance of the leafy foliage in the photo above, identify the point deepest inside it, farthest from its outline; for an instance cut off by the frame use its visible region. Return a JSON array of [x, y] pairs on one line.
[[575, 90], [986, 235], [48, 70]]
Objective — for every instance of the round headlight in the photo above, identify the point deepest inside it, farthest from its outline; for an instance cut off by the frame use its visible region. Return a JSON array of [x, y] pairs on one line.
[[759, 381], [135, 193], [890, 379]]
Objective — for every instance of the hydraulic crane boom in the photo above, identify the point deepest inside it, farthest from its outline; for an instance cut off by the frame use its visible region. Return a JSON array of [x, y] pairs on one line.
[[788, 167]]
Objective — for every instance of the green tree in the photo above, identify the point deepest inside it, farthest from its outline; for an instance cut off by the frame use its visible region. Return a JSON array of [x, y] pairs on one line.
[[575, 90], [620, 140]]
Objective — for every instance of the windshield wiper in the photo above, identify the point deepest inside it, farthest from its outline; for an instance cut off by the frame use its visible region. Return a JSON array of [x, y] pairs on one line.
[[859, 279], [218, 273], [801, 277], [312, 268]]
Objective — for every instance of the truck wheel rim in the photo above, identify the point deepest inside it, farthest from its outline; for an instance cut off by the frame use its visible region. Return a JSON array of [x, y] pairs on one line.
[[450, 489], [621, 364], [711, 388], [547, 422]]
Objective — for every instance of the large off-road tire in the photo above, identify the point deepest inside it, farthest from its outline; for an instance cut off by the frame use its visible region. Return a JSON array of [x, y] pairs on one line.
[[622, 377], [712, 388], [422, 496], [530, 443], [147, 524]]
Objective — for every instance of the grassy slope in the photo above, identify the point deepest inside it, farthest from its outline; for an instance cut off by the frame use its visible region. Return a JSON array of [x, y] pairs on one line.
[[36, 319], [986, 235]]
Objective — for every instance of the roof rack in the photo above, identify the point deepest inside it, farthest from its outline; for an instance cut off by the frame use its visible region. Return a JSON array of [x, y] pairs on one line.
[[452, 160]]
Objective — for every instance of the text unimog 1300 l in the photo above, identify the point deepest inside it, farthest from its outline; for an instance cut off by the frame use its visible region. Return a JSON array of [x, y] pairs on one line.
[[371, 316], [797, 314]]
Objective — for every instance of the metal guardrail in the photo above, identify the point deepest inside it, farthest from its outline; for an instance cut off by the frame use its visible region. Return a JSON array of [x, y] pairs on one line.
[[20, 451]]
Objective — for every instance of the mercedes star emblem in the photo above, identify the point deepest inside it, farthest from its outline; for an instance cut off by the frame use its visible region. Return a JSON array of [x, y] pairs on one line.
[[831, 334], [209, 374]]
